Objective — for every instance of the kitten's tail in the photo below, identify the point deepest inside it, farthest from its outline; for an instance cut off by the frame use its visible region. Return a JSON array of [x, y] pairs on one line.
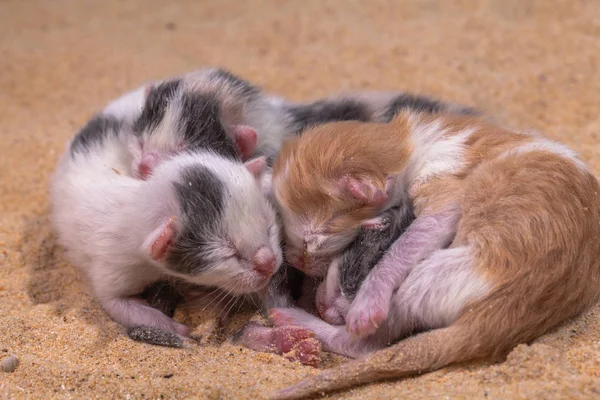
[[425, 352]]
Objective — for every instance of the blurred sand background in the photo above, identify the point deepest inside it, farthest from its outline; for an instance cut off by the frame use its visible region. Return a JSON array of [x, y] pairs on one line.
[[533, 64]]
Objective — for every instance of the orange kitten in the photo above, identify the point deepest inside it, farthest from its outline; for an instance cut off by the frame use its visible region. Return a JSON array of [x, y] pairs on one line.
[[503, 248]]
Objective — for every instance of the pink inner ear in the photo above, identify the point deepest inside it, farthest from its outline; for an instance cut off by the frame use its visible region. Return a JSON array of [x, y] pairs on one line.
[[147, 164], [377, 223], [365, 190], [162, 244], [256, 166], [245, 140], [148, 89]]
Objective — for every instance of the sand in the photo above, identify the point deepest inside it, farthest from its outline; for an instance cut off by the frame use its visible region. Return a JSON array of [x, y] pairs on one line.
[[532, 64]]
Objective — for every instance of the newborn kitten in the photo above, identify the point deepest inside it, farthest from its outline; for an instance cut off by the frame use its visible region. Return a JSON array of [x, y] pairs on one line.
[[503, 247], [202, 218]]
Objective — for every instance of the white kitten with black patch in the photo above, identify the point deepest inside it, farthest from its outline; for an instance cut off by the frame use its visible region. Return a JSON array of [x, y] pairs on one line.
[[201, 218]]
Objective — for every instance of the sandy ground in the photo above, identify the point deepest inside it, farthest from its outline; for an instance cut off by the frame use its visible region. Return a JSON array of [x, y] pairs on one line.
[[532, 64]]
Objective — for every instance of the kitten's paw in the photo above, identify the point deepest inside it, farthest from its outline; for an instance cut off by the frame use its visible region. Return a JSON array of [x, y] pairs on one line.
[[297, 344], [293, 342], [364, 319]]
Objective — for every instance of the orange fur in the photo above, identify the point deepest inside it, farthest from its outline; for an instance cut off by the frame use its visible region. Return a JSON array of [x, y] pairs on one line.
[[312, 170], [531, 219], [485, 143]]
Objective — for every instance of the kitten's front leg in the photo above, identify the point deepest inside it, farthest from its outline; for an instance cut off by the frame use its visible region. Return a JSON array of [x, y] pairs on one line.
[[426, 234], [131, 311]]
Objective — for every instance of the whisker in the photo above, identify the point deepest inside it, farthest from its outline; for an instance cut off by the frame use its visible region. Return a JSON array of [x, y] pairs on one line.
[[253, 300], [206, 295], [217, 298], [235, 301], [225, 311]]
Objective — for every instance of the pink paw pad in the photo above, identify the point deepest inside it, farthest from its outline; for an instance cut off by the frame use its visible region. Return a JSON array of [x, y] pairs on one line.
[[297, 344]]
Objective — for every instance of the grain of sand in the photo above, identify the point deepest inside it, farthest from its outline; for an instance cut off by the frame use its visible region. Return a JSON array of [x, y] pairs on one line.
[[533, 64]]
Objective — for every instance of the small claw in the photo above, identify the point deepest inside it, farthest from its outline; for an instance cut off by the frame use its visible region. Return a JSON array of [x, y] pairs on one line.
[[375, 324]]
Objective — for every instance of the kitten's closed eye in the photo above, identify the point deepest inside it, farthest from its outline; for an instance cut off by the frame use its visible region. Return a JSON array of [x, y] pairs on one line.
[[232, 252]]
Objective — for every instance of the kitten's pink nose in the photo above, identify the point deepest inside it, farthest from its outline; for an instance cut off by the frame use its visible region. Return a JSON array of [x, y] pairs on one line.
[[264, 261]]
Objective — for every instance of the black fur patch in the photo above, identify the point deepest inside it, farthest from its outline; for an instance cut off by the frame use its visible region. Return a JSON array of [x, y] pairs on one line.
[[420, 104], [323, 111], [95, 131], [369, 247], [241, 86], [201, 127], [201, 197], [284, 287], [164, 296], [156, 106]]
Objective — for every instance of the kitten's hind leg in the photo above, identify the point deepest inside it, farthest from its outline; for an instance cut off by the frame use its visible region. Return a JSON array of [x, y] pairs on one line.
[[133, 312]]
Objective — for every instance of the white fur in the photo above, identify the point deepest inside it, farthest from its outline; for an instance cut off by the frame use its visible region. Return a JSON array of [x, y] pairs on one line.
[[543, 144], [295, 227], [438, 288], [315, 241], [106, 220], [165, 138], [248, 216], [265, 114], [129, 106], [280, 180], [272, 126], [96, 215], [434, 154]]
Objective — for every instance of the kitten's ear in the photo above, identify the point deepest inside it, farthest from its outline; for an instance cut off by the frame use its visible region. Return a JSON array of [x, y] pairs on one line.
[[147, 164], [147, 89], [365, 190], [160, 240], [245, 140], [262, 174], [377, 223], [256, 166]]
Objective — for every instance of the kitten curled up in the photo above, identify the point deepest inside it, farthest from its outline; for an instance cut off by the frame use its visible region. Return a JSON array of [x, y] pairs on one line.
[[502, 249]]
